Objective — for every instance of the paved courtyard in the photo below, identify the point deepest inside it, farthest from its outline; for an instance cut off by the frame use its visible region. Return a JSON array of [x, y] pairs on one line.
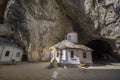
[[40, 71]]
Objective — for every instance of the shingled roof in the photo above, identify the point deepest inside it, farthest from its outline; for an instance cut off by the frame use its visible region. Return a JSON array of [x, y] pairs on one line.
[[65, 44], [6, 41]]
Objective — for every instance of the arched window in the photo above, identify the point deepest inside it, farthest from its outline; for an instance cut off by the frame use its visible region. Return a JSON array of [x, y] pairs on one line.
[[61, 54], [72, 54], [7, 53], [57, 54], [18, 54], [84, 55], [69, 36]]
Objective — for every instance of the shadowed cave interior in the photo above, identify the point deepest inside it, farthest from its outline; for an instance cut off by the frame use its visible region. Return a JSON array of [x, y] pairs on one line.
[[102, 51]]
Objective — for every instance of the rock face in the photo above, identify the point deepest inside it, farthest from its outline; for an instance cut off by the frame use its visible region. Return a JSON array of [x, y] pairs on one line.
[[106, 16], [38, 24]]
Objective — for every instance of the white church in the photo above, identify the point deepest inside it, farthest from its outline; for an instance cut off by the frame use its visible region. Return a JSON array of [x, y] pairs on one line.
[[9, 51], [70, 52]]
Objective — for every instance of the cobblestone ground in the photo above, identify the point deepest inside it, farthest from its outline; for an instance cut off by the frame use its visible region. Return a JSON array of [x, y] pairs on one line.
[[40, 71]]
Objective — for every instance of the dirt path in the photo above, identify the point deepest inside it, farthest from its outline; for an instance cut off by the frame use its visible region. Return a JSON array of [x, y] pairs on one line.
[[40, 71], [29, 71]]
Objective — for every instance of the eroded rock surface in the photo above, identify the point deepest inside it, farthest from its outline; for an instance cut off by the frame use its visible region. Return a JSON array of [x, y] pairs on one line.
[[38, 24], [106, 17]]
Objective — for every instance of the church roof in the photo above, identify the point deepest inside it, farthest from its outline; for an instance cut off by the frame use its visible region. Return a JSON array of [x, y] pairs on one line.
[[65, 44], [5, 41]]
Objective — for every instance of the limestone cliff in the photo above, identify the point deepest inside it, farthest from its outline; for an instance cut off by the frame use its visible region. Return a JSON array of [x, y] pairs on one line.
[[38, 24], [106, 16]]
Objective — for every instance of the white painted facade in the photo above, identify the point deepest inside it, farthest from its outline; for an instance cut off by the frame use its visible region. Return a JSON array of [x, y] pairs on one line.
[[73, 37], [10, 53], [68, 52], [72, 56], [88, 58]]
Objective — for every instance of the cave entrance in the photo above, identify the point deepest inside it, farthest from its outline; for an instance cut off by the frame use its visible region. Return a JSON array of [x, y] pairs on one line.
[[102, 50]]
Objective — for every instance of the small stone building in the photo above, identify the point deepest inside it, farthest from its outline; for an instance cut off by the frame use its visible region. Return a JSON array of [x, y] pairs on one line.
[[67, 52], [9, 51]]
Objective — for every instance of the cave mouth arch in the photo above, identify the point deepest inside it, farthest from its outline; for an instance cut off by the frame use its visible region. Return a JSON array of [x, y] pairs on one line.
[[102, 50]]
